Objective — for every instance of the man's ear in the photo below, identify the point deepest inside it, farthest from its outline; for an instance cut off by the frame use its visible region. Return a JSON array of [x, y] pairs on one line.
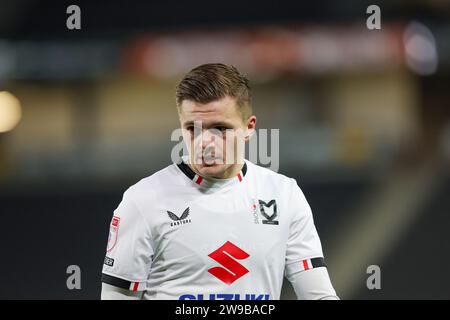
[[251, 127]]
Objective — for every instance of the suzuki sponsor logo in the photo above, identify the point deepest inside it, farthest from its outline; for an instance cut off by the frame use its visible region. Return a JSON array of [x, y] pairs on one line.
[[231, 270], [225, 296]]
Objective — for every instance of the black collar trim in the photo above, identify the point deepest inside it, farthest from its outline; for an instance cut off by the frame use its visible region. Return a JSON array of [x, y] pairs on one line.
[[198, 179]]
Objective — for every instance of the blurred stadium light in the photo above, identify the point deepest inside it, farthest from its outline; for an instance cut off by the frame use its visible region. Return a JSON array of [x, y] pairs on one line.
[[420, 49], [10, 111]]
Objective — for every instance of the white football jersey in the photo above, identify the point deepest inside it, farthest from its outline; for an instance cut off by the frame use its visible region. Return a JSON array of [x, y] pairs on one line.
[[177, 235]]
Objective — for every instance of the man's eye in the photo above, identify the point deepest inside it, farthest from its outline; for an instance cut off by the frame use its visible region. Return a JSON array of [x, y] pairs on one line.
[[221, 128], [190, 128]]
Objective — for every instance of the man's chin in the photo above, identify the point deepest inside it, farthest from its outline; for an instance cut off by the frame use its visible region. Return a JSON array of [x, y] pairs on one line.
[[211, 169]]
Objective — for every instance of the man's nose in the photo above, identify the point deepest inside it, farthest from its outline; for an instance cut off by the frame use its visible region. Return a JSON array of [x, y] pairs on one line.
[[208, 137]]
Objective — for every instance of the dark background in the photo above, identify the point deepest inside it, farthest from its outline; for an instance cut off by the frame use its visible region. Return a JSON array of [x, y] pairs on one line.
[[57, 193]]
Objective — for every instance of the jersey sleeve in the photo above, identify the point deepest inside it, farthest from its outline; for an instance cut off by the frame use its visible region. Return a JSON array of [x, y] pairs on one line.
[[304, 250], [129, 250], [314, 284]]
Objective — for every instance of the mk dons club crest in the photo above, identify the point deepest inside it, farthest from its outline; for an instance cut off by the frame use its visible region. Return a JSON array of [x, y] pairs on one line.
[[113, 233], [269, 212]]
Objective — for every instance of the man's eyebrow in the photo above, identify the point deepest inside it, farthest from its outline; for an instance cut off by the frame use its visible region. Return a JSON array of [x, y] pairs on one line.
[[213, 124]]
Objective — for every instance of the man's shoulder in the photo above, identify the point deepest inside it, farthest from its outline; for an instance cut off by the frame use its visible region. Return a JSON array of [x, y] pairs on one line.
[[267, 175], [155, 182]]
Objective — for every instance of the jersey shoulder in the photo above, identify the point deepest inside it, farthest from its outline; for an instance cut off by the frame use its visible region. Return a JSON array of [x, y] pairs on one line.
[[266, 176], [155, 185]]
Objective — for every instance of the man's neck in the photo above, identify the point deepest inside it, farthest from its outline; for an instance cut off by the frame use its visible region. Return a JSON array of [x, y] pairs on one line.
[[230, 172]]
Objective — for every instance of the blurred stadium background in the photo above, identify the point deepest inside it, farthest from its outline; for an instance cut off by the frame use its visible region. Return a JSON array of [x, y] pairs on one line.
[[364, 118]]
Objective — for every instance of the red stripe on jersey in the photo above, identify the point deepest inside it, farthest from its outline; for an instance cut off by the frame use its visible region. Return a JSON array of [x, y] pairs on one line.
[[305, 264], [199, 180], [239, 177], [135, 286]]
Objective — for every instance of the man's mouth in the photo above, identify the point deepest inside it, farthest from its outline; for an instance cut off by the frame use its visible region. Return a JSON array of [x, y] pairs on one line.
[[209, 159]]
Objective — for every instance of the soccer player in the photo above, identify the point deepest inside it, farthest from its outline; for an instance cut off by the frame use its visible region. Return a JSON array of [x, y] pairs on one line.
[[214, 225]]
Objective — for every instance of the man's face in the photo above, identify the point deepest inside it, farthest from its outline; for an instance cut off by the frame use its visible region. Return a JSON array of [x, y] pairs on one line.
[[214, 134]]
